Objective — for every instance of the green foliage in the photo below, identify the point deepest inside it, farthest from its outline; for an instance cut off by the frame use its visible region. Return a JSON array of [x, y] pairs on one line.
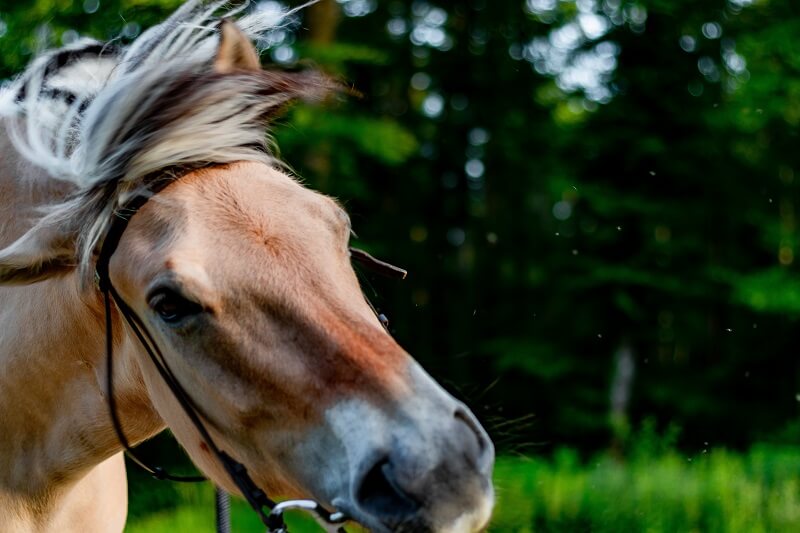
[[534, 359], [339, 55], [37, 25], [381, 138], [712, 491], [671, 497], [774, 290]]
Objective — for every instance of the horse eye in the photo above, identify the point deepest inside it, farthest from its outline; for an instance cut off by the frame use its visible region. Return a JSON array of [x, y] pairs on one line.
[[171, 307]]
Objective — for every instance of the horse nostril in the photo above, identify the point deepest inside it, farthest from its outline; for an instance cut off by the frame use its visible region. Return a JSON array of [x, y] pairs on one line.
[[381, 496], [484, 454]]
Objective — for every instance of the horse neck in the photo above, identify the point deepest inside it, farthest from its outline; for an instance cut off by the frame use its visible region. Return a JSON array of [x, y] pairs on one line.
[[53, 406]]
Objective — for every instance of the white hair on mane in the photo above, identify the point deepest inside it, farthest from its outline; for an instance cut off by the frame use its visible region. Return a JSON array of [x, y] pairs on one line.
[[111, 121]]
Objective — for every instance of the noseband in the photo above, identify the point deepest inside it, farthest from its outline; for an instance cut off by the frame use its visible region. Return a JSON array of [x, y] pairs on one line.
[[257, 498]]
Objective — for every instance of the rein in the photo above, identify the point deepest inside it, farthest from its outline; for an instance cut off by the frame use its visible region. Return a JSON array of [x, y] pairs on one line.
[[272, 518]]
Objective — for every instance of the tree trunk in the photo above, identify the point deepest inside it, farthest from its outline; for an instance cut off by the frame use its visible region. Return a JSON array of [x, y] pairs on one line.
[[620, 396]]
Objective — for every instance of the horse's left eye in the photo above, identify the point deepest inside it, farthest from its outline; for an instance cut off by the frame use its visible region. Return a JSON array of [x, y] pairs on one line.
[[171, 307]]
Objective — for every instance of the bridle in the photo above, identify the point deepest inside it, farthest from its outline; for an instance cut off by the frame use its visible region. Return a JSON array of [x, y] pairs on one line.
[[272, 517]]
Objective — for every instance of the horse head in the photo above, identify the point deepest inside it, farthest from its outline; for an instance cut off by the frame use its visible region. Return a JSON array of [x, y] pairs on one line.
[[243, 278]]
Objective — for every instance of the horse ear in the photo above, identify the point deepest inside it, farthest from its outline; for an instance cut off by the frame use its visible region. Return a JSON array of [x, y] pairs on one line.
[[43, 252], [235, 51]]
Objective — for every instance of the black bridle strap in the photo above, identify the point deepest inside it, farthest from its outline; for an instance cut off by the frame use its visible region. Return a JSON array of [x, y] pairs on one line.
[[157, 472], [237, 471]]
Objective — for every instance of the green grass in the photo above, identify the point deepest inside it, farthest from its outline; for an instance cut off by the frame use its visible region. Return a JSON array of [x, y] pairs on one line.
[[714, 491]]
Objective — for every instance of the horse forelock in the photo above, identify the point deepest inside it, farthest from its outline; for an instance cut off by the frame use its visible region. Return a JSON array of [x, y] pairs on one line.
[[109, 120]]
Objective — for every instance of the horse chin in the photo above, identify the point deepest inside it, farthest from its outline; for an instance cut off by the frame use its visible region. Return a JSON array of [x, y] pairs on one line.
[[469, 522], [474, 520]]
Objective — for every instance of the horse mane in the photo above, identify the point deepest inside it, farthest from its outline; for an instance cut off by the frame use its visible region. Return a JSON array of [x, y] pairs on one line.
[[111, 120]]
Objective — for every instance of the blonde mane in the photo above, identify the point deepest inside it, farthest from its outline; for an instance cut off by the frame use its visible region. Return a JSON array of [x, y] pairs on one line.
[[110, 121]]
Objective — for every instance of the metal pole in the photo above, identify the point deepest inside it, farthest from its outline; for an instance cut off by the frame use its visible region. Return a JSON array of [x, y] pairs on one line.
[[222, 504]]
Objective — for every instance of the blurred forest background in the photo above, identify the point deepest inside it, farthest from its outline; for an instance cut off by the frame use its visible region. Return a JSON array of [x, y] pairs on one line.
[[597, 202]]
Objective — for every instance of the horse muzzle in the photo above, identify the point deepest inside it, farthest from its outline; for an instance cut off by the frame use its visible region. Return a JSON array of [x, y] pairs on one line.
[[422, 467]]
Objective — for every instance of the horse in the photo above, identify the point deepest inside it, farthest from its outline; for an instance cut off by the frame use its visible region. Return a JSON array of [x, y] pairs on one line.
[[240, 274]]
